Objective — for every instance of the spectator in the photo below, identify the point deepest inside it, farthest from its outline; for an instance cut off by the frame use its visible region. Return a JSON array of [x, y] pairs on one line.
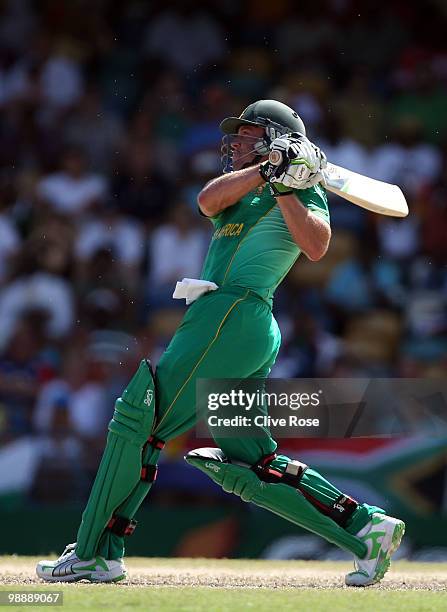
[[121, 234], [17, 25], [38, 288], [198, 38], [95, 130], [360, 111], [61, 79], [141, 191], [182, 243], [342, 149], [433, 213], [78, 392], [424, 99], [72, 190], [10, 240], [407, 159], [22, 369], [305, 35]]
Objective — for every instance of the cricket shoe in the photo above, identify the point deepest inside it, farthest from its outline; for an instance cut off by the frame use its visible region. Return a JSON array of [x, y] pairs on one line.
[[382, 535], [69, 568]]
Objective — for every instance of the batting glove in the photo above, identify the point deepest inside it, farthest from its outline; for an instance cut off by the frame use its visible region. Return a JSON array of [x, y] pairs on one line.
[[268, 170], [294, 163]]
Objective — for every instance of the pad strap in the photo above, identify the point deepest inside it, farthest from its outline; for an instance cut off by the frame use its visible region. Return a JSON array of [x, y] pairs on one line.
[[293, 473], [121, 526], [339, 511], [148, 470], [342, 509], [291, 476], [156, 442]]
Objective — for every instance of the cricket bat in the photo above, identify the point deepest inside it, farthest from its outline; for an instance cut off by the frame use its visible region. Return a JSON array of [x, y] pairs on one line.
[[376, 196]]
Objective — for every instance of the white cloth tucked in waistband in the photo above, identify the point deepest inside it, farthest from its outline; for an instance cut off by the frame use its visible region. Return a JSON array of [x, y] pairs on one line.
[[192, 288]]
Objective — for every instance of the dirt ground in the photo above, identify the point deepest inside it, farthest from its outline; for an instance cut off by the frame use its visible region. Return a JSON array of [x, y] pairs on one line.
[[19, 571]]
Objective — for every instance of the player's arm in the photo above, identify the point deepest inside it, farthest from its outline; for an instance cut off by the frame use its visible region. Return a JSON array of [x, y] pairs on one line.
[[298, 166], [309, 231], [226, 190]]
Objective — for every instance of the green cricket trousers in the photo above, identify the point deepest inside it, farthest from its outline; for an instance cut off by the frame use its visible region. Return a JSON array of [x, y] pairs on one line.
[[227, 333]]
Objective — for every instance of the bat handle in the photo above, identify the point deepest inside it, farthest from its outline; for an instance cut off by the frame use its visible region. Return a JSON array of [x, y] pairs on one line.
[[275, 157]]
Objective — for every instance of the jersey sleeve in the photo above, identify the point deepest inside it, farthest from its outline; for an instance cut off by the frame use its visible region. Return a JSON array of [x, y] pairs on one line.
[[315, 199], [214, 219]]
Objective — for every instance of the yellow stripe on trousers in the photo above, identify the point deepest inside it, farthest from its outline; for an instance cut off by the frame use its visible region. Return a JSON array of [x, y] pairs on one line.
[[200, 360]]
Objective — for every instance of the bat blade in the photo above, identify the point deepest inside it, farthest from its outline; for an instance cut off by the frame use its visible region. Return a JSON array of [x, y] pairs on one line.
[[376, 196]]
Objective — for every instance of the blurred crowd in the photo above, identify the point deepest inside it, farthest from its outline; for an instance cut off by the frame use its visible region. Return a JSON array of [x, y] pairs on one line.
[[109, 128]]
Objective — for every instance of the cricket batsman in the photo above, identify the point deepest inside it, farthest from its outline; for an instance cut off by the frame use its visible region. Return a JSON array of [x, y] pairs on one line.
[[267, 208]]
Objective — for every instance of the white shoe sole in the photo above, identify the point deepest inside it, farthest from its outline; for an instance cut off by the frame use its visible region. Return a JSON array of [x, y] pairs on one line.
[[113, 575]]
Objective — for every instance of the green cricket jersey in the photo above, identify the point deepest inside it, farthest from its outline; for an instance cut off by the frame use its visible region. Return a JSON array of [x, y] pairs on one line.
[[252, 246]]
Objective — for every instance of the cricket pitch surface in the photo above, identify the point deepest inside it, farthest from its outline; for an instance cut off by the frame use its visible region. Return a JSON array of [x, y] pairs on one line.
[[224, 584]]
